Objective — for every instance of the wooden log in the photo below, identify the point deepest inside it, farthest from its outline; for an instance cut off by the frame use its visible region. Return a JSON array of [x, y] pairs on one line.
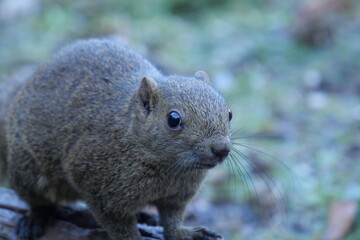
[[71, 224]]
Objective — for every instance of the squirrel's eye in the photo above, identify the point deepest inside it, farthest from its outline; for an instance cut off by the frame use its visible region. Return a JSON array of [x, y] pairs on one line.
[[230, 115], [174, 120]]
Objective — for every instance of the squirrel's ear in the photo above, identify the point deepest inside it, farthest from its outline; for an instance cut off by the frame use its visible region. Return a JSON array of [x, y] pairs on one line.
[[148, 93], [203, 76]]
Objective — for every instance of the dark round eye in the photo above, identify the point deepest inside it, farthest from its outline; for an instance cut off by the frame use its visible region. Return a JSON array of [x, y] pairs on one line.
[[230, 115], [174, 120]]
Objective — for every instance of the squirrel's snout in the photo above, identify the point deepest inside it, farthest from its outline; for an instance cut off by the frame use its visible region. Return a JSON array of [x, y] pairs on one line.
[[221, 149]]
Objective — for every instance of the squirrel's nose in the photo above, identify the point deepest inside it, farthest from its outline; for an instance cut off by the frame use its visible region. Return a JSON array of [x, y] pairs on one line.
[[221, 151]]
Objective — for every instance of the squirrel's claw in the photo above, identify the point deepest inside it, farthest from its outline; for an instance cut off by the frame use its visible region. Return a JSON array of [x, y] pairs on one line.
[[202, 233]]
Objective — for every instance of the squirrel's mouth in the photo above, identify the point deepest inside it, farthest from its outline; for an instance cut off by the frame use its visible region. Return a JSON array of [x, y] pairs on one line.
[[205, 165]]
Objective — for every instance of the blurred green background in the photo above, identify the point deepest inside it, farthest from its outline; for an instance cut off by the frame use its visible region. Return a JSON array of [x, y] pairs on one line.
[[289, 69]]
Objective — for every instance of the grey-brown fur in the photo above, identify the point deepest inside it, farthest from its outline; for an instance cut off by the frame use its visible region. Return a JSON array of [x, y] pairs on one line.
[[8, 88], [91, 124]]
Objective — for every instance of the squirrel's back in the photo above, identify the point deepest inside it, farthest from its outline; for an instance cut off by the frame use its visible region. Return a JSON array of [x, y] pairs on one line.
[[79, 89], [84, 89], [8, 88]]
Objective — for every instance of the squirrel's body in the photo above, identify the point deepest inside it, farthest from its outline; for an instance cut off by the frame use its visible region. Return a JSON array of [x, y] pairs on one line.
[[96, 123], [8, 88]]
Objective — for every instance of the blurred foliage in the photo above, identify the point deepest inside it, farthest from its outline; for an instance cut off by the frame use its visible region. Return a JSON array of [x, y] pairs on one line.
[[303, 99]]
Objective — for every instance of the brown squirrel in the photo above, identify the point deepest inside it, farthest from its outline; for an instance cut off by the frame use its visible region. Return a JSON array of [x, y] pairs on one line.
[[8, 88], [101, 124]]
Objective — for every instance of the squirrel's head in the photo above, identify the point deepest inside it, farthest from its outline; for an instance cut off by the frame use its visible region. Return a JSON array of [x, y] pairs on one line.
[[183, 120]]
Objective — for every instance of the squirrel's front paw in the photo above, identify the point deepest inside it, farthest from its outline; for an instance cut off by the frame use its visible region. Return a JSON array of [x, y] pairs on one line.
[[33, 226], [30, 228], [198, 233]]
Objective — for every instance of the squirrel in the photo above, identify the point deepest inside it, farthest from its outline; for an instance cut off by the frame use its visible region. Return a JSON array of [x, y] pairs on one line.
[[100, 123]]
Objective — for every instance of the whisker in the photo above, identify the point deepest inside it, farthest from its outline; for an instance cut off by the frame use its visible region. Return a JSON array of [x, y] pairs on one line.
[[172, 178], [242, 176], [186, 177], [229, 170], [265, 154], [272, 136], [240, 166], [235, 176], [171, 166], [270, 183]]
